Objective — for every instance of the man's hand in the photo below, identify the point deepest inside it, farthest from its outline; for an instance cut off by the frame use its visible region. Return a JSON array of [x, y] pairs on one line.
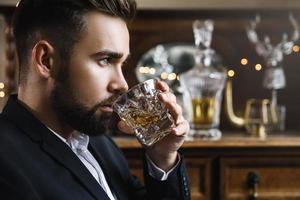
[[164, 152]]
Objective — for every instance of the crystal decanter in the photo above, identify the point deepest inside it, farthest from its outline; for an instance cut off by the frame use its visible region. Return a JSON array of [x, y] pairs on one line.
[[205, 84]]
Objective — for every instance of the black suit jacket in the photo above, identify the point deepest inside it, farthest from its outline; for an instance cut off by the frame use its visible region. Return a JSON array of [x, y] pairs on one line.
[[36, 164]]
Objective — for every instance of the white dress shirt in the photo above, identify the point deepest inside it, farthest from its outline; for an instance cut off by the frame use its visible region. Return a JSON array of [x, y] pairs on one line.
[[78, 142]]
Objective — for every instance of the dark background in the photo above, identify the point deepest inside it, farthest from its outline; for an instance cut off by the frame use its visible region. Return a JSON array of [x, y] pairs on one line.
[[230, 41]]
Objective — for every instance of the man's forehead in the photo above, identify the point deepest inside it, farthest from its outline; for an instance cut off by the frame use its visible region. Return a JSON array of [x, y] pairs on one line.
[[104, 34]]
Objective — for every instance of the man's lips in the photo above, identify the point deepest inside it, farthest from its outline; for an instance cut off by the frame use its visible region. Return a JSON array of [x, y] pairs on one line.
[[106, 108], [107, 105]]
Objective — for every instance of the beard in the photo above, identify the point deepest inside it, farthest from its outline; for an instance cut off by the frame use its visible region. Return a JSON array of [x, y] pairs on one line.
[[78, 116]]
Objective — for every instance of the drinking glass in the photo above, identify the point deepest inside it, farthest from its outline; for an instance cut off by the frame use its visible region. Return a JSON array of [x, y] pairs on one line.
[[259, 117], [142, 110]]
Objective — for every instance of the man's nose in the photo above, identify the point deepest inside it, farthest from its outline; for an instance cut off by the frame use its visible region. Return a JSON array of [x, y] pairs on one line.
[[118, 85]]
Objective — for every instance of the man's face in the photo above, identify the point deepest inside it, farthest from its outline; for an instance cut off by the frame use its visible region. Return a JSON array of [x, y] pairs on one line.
[[93, 77]]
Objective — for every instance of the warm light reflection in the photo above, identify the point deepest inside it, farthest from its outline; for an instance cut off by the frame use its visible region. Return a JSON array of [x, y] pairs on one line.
[[296, 48], [17, 5], [2, 85], [147, 70], [152, 70], [244, 61], [258, 67], [142, 70], [2, 94], [231, 73], [164, 75], [172, 76]]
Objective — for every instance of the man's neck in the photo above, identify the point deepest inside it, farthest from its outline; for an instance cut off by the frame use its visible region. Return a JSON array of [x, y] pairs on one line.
[[42, 110]]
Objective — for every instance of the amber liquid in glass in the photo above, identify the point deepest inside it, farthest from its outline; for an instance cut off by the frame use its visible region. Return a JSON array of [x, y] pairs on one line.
[[252, 126], [149, 126], [139, 118]]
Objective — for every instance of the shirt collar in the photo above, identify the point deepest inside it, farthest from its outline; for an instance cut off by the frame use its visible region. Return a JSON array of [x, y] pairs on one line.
[[77, 141]]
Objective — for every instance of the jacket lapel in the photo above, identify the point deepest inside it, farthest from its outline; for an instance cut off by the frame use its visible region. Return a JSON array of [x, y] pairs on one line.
[[51, 144], [65, 156]]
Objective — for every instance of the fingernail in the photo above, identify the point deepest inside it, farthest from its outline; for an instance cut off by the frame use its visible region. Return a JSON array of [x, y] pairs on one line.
[[161, 95]]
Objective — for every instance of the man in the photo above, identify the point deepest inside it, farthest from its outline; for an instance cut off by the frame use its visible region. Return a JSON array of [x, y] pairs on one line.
[[52, 141]]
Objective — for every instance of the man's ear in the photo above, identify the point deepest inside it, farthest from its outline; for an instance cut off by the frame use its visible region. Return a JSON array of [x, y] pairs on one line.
[[43, 58]]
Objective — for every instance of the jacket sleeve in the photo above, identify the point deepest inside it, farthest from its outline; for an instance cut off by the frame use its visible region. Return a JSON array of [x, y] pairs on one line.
[[175, 187]]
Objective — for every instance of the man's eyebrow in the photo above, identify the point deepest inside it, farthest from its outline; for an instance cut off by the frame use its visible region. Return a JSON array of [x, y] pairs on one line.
[[111, 54]]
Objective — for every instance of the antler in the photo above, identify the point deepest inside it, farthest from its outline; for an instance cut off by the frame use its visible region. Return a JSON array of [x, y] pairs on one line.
[[262, 48], [286, 45], [265, 48]]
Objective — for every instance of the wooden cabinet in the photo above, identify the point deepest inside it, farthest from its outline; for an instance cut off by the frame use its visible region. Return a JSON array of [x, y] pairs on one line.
[[199, 171], [236, 167], [266, 177]]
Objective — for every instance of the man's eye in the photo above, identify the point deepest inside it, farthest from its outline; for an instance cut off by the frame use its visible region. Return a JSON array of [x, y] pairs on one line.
[[104, 62]]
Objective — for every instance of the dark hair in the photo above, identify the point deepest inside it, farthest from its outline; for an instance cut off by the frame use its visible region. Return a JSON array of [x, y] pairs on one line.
[[59, 21]]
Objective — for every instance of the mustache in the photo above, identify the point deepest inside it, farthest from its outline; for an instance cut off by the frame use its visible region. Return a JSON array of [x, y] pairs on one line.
[[106, 102], [109, 101]]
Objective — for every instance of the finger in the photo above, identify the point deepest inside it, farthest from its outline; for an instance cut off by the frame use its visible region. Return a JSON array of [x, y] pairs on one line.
[[181, 129], [122, 126], [176, 111], [163, 86], [167, 97]]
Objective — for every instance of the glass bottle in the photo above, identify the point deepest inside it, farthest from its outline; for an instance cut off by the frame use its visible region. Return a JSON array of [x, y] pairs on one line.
[[205, 84]]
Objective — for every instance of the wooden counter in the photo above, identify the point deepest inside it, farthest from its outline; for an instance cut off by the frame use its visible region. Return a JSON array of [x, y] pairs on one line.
[[233, 166], [229, 140]]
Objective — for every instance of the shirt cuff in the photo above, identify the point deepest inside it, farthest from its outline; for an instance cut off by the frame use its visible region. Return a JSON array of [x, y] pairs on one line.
[[158, 173]]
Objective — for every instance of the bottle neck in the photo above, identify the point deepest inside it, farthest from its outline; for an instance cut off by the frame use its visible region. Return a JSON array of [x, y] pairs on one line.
[[204, 57]]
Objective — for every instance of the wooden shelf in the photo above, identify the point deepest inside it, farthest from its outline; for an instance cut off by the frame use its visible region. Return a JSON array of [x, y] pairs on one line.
[[228, 140]]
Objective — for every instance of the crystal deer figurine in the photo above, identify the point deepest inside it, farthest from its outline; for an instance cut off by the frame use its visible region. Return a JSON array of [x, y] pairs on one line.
[[273, 55]]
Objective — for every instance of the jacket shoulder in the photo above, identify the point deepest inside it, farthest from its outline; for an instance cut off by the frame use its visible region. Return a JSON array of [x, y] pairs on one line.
[[8, 131], [6, 125]]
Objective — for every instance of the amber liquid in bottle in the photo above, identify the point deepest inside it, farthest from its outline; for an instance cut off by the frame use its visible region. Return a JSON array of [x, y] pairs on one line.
[[203, 111]]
